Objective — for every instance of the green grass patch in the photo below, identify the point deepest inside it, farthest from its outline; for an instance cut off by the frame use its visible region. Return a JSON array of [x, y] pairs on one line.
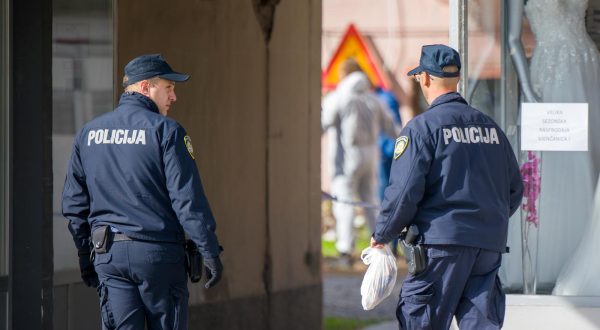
[[363, 240], [339, 323], [328, 249]]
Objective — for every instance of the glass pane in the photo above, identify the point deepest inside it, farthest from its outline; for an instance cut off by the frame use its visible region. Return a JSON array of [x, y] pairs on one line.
[[484, 64], [564, 68], [82, 66], [492, 88]]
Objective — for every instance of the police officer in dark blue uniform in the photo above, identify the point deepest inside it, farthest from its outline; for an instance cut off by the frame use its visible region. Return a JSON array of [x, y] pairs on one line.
[[131, 194], [455, 177]]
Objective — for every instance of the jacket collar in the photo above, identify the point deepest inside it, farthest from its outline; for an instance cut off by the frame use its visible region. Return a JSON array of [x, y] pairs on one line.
[[447, 98], [137, 99]]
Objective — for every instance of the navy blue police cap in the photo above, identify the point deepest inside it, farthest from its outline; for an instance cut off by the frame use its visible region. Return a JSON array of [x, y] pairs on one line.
[[149, 66], [434, 58]]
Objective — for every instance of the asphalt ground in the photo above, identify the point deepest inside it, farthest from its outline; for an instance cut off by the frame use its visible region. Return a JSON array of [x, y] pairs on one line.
[[341, 294]]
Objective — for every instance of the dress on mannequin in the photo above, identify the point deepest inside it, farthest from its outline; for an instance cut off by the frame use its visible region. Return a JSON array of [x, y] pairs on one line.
[[565, 68], [579, 277]]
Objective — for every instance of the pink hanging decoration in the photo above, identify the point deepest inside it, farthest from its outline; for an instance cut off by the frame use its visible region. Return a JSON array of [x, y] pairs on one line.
[[532, 182]]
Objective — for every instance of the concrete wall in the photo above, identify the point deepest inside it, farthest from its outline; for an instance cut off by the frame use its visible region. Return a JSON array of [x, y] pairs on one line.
[[252, 110]]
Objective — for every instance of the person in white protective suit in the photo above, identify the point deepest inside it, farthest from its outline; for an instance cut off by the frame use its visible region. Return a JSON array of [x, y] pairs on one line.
[[357, 116]]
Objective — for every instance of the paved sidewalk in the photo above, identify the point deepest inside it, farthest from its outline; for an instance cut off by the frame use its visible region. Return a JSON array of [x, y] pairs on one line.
[[341, 296], [391, 325]]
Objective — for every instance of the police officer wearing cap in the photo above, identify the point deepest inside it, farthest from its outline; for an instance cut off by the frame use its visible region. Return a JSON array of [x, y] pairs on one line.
[[454, 177], [131, 194]]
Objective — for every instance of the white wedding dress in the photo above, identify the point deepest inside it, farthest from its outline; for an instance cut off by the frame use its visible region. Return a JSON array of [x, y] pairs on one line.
[[580, 275], [565, 68]]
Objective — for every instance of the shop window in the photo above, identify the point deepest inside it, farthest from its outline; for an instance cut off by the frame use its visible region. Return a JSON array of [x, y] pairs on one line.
[[551, 253], [484, 57]]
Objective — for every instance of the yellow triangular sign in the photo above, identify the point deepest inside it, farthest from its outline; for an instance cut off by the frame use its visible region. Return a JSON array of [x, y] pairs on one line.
[[354, 45]]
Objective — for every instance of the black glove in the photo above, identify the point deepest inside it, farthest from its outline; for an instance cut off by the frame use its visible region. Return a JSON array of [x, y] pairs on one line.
[[214, 269], [88, 273]]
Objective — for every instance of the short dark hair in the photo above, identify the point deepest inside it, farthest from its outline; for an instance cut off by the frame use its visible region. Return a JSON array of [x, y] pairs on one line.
[[450, 68], [153, 81]]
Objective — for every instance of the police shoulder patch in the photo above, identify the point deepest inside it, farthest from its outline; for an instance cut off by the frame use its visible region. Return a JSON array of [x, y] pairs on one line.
[[188, 145], [401, 144]]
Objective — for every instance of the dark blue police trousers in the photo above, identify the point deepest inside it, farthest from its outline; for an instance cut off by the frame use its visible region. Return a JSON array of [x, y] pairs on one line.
[[143, 282], [458, 281]]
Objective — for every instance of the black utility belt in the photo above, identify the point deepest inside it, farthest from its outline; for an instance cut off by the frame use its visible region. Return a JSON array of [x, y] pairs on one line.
[[103, 236], [121, 237]]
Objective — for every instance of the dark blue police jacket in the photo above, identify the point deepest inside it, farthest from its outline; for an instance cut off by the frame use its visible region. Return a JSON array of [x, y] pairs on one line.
[[455, 176], [133, 169]]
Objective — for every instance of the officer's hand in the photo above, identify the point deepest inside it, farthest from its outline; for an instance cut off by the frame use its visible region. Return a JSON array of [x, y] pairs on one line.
[[214, 269], [88, 273], [376, 245]]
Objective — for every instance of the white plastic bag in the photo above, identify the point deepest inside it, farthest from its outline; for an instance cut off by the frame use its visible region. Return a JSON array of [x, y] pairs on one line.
[[380, 277]]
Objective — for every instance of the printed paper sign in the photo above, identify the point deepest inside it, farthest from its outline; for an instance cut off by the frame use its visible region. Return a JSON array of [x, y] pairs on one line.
[[554, 126]]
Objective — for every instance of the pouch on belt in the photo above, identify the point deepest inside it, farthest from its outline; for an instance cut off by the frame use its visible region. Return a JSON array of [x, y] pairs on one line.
[[415, 254], [193, 260], [100, 239]]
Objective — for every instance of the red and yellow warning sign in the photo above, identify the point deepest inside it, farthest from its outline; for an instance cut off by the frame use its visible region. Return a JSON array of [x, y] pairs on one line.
[[353, 45]]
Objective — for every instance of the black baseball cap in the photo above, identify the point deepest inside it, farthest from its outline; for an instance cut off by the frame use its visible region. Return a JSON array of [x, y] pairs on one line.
[[434, 58], [149, 66]]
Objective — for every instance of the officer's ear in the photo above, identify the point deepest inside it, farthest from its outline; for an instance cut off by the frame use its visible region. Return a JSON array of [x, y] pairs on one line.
[[427, 79], [145, 87]]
